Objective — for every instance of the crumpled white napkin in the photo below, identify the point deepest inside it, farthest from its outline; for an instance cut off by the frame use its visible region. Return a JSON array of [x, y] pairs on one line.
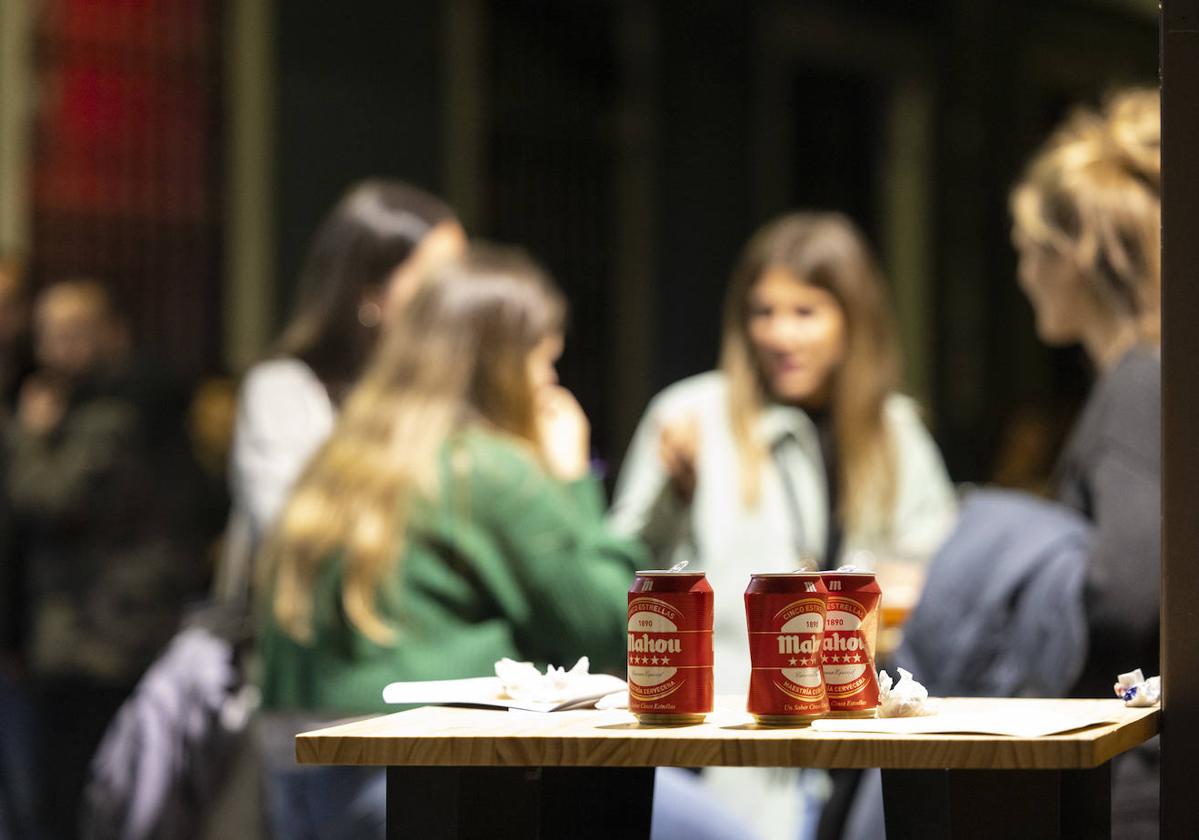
[[522, 681], [906, 698], [615, 700], [1137, 691]]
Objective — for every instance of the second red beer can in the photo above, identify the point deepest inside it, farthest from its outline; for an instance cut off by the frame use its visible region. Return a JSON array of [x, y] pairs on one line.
[[850, 633], [670, 647], [785, 617]]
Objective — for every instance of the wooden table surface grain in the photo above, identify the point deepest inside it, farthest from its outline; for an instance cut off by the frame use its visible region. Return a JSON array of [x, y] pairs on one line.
[[473, 737]]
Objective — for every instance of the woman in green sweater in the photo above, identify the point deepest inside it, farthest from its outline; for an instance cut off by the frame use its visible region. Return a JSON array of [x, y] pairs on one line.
[[450, 520]]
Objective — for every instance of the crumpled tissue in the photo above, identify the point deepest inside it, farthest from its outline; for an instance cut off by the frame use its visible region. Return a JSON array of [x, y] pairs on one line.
[[615, 700], [906, 698], [1137, 691], [522, 681]]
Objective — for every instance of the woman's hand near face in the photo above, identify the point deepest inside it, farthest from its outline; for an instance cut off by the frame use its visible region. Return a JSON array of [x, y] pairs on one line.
[[564, 432], [678, 447]]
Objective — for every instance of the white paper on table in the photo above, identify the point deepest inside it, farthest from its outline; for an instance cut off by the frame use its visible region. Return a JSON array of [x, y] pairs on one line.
[[489, 691], [1023, 723]]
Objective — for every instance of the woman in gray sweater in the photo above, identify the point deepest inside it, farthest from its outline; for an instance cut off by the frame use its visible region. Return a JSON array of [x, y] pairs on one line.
[[1087, 226]]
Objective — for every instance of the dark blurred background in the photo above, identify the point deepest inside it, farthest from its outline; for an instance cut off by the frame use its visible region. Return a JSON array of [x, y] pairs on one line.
[[183, 151]]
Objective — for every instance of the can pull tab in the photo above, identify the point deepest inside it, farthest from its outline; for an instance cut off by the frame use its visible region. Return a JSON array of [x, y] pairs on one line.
[[679, 566]]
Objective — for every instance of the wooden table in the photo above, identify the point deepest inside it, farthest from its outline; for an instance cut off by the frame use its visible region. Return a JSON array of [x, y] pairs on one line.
[[467, 773]]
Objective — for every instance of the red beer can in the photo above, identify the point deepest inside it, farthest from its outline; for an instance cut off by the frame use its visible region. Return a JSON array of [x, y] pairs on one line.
[[850, 634], [785, 617], [670, 647]]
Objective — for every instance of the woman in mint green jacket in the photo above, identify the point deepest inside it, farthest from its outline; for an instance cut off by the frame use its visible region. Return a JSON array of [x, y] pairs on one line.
[[799, 450], [449, 521]]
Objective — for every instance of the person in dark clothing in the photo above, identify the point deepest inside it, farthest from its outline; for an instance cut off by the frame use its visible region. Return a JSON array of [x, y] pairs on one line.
[[1087, 222], [16, 363], [1111, 472], [114, 527], [1087, 226]]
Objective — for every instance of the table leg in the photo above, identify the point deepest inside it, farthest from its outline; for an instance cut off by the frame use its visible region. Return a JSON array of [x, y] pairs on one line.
[[929, 804], [498, 803]]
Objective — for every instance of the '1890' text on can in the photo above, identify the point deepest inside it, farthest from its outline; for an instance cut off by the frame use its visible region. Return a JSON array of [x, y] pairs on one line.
[[670, 647], [785, 617], [850, 633]]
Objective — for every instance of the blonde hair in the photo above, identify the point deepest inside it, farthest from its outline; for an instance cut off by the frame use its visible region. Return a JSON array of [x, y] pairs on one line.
[[458, 355], [827, 251], [1092, 194]]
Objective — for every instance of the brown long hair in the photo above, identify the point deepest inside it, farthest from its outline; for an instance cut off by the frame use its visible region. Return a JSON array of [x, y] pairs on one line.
[[459, 356], [824, 250], [1092, 194], [370, 232]]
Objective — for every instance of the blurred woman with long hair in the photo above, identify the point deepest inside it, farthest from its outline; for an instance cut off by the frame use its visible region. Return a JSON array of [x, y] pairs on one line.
[[366, 260], [1087, 227], [797, 452], [798, 449], [450, 520], [364, 263]]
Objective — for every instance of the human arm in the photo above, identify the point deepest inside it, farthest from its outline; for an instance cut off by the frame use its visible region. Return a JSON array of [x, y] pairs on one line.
[[566, 574], [645, 503], [564, 433], [1111, 472], [51, 474], [283, 417], [1123, 580]]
